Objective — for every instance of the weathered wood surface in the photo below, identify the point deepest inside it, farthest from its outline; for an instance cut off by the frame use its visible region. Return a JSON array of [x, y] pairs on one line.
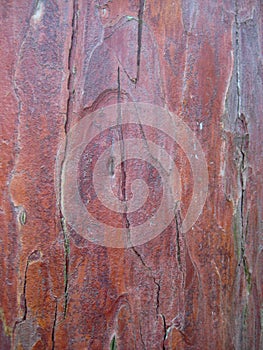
[[60, 62]]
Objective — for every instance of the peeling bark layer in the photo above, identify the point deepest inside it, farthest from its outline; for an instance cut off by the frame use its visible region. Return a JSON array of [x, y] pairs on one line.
[[201, 289]]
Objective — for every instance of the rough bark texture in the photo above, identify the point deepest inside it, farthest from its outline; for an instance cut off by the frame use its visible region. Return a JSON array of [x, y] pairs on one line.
[[63, 60]]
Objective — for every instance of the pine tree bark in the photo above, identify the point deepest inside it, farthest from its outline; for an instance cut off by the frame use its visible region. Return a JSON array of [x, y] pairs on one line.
[[63, 61]]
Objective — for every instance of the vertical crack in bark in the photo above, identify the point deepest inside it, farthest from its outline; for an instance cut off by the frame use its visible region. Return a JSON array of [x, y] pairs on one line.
[[119, 86], [242, 175], [24, 301], [122, 148], [70, 86], [154, 280], [17, 147], [168, 328], [178, 223], [243, 140], [124, 179], [139, 48], [237, 56], [24, 292], [242, 148], [24, 317], [140, 328], [66, 263], [113, 343], [238, 92], [54, 325], [165, 330], [123, 166]]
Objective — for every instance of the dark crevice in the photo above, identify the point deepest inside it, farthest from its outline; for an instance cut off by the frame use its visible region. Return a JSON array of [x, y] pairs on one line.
[[54, 325], [154, 279], [32, 257], [178, 223], [66, 263], [24, 292], [240, 119], [165, 330], [25, 286], [133, 80], [140, 328], [71, 56], [122, 151], [169, 327], [247, 273], [70, 85], [237, 57], [242, 198], [240, 136], [139, 43], [119, 85], [23, 319], [157, 295], [113, 343], [242, 148]]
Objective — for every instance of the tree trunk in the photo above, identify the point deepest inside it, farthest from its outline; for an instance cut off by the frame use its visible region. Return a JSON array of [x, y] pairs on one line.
[[77, 270]]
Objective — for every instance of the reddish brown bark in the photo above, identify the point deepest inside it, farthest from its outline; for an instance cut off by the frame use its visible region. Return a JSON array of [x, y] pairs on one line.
[[62, 61]]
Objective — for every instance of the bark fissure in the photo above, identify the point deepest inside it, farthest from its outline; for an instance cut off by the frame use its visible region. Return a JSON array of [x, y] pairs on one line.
[[140, 328], [139, 48], [242, 149], [24, 298], [178, 226], [54, 325], [238, 118], [66, 263], [165, 331], [122, 151], [237, 57], [157, 284], [70, 85], [24, 292]]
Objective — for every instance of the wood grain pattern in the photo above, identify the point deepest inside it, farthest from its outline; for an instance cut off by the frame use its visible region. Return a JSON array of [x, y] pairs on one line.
[[62, 61]]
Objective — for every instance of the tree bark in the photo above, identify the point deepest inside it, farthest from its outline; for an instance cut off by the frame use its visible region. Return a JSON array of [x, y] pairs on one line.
[[64, 61]]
